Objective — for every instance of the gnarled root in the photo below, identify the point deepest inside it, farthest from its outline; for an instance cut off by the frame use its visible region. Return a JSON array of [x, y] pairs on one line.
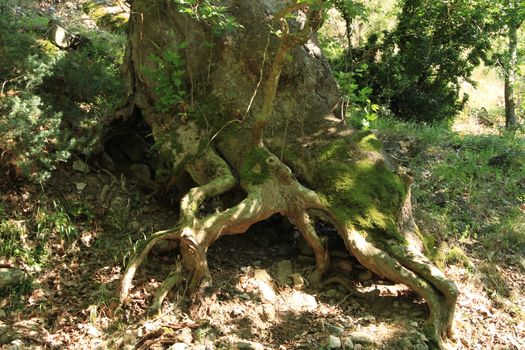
[[281, 193], [416, 273]]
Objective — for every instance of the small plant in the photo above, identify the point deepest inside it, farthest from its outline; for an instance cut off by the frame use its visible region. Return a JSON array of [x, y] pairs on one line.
[[167, 76], [56, 221], [214, 15], [359, 109], [16, 243]]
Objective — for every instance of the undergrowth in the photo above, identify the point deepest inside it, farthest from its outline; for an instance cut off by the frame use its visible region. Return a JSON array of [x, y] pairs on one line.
[[468, 188], [53, 102]]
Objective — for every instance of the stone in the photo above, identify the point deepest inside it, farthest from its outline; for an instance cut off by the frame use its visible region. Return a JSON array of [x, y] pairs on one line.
[[264, 284], [364, 276], [185, 336], [17, 344], [248, 345], [142, 174], [268, 313], [166, 247], [303, 301], [117, 217], [80, 166], [298, 281], [333, 342], [348, 344], [11, 278], [333, 329], [358, 347], [179, 346], [80, 186], [361, 338], [283, 270]]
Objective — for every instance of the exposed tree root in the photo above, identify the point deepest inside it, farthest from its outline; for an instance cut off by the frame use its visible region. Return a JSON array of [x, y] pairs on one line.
[[281, 193]]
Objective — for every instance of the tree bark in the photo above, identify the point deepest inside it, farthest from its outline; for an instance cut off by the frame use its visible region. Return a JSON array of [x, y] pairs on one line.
[[510, 78], [306, 165]]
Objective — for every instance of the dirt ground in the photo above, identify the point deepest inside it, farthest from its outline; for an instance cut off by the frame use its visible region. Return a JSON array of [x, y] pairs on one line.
[[254, 297]]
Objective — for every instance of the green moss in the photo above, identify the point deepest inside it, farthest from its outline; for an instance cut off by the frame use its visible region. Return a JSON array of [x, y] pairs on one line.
[[110, 21], [456, 256], [362, 191], [48, 47], [429, 245], [369, 141], [254, 168]]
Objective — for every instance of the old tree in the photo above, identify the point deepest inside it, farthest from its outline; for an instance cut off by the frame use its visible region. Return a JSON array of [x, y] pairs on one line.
[[239, 97]]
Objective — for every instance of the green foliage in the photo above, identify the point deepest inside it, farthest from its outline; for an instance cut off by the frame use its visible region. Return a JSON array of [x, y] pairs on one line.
[[16, 243], [467, 187], [166, 73], [359, 110], [53, 102], [416, 69], [208, 12]]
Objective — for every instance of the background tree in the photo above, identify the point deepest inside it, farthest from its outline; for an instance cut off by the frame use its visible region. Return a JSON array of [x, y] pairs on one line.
[[241, 98], [417, 68], [511, 14]]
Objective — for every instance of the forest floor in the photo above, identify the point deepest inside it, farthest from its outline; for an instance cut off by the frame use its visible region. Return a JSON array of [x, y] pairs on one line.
[[255, 298], [74, 235]]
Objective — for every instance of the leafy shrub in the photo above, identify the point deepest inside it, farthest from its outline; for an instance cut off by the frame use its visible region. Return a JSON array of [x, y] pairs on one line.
[[417, 68], [52, 102]]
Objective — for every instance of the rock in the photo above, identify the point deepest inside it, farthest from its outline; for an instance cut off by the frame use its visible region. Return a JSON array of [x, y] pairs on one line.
[[361, 338], [80, 186], [264, 284], [303, 301], [348, 344], [268, 313], [333, 329], [248, 345], [358, 347], [141, 173], [334, 293], [11, 278], [60, 36], [298, 281], [17, 345], [283, 270], [7, 335], [165, 247], [185, 336], [364, 276], [333, 342], [80, 166], [179, 346], [117, 217]]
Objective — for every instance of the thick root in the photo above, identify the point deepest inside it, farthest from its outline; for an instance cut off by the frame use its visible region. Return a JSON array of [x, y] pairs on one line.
[[380, 262], [131, 269], [174, 279], [304, 224]]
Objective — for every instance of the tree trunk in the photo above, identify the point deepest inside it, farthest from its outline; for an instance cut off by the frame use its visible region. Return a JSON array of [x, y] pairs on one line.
[[205, 91], [510, 78]]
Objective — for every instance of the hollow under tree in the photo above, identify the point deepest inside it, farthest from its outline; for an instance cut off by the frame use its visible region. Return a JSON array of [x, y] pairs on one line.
[[241, 97]]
